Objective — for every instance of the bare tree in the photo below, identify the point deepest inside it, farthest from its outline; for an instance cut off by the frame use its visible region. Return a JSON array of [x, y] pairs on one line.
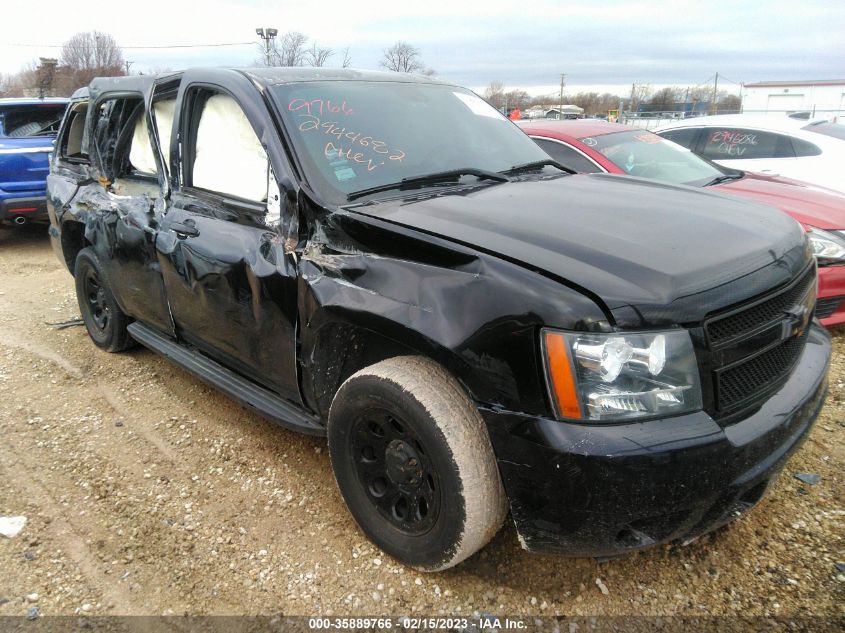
[[402, 58], [639, 93], [318, 55], [494, 94], [730, 104], [664, 99], [594, 103], [290, 50], [699, 93], [91, 54], [347, 60], [20, 84], [517, 99]]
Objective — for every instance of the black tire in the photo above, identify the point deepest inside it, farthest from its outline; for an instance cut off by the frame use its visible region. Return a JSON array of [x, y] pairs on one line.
[[104, 320], [414, 463]]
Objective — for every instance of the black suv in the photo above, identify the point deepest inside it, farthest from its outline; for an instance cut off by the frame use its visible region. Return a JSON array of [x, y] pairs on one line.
[[386, 260]]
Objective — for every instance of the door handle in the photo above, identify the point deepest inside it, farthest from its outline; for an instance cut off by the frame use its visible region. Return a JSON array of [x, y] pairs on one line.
[[187, 228]]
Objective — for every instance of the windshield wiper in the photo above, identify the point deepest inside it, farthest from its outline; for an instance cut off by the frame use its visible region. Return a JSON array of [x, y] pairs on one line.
[[430, 179], [724, 178], [537, 164]]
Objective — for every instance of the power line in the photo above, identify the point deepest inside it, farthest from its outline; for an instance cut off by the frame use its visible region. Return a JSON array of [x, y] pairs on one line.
[[143, 47]]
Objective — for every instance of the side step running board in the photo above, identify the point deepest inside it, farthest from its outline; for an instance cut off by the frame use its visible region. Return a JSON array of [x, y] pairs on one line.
[[265, 402]]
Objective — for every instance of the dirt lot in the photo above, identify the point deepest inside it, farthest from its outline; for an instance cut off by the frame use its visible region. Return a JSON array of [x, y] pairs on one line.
[[149, 493]]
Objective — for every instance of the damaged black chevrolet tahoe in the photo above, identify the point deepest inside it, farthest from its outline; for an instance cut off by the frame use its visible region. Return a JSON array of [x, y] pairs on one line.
[[385, 260]]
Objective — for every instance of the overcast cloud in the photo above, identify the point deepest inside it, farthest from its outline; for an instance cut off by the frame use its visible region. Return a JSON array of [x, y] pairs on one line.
[[603, 45]]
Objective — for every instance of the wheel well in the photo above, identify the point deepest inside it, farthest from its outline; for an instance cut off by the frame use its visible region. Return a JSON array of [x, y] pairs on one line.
[[73, 241], [341, 349]]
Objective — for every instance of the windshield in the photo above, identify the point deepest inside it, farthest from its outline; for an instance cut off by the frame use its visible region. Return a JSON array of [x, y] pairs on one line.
[[356, 135], [40, 119], [644, 154], [836, 130]]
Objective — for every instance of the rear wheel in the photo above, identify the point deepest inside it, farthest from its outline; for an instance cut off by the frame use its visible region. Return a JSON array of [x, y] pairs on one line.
[[105, 321], [414, 463]]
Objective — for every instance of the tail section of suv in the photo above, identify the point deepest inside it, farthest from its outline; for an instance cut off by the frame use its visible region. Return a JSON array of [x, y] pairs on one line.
[[27, 131], [386, 260]]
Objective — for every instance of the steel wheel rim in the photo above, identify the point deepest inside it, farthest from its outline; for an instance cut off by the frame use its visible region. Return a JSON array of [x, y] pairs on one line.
[[95, 298], [395, 471]]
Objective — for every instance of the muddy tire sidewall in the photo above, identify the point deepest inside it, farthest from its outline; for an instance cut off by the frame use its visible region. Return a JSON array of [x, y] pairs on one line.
[[471, 503]]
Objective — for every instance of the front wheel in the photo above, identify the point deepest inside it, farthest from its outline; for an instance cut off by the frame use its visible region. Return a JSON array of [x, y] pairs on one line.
[[414, 463], [104, 320]]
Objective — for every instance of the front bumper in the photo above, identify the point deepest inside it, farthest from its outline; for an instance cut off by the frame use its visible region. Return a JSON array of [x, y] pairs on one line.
[[29, 208], [605, 490]]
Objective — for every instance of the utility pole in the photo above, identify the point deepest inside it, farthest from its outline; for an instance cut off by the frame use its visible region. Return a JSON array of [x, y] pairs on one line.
[[560, 105], [715, 91], [631, 102], [267, 35], [128, 64]]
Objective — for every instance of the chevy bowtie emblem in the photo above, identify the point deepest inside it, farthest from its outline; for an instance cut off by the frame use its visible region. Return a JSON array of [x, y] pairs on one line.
[[796, 321]]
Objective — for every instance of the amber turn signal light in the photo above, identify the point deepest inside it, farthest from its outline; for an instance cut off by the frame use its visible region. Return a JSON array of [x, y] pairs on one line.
[[561, 380]]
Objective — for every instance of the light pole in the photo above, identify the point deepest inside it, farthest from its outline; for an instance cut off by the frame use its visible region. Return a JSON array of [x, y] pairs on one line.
[[560, 105], [266, 35]]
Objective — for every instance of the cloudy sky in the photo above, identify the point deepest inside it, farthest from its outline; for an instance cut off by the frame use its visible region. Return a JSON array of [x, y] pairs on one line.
[[600, 45]]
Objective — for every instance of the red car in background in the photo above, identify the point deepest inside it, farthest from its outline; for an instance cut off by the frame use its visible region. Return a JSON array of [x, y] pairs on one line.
[[591, 146]]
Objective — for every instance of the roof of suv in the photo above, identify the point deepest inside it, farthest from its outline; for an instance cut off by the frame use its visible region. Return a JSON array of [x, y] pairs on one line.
[[278, 75], [32, 101], [266, 76]]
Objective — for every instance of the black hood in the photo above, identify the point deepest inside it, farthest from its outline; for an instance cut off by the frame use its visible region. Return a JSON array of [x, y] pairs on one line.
[[669, 253]]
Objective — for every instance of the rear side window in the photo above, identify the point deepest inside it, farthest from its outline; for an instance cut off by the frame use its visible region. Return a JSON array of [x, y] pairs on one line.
[[684, 136], [73, 144], [739, 143], [141, 156], [22, 121], [121, 141], [836, 130], [804, 148], [567, 156]]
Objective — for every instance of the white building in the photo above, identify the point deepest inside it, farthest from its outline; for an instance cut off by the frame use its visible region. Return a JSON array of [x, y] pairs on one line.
[[822, 98], [545, 112]]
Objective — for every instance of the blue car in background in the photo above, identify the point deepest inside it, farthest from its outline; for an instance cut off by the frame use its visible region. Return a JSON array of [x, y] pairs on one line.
[[28, 128]]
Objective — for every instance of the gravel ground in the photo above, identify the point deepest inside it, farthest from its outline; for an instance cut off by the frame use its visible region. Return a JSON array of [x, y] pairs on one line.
[[146, 492]]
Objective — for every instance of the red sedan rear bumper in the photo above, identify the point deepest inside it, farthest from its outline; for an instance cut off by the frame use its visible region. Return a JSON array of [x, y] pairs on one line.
[[830, 308]]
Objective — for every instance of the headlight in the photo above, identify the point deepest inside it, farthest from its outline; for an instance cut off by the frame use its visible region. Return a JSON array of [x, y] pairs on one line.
[[611, 377], [828, 247]]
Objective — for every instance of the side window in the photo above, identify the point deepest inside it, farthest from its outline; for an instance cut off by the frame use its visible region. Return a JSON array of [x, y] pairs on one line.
[[567, 156], [684, 136], [73, 144], [726, 144], [141, 156], [163, 112], [226, 155], [804, 148], [121, 142]]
